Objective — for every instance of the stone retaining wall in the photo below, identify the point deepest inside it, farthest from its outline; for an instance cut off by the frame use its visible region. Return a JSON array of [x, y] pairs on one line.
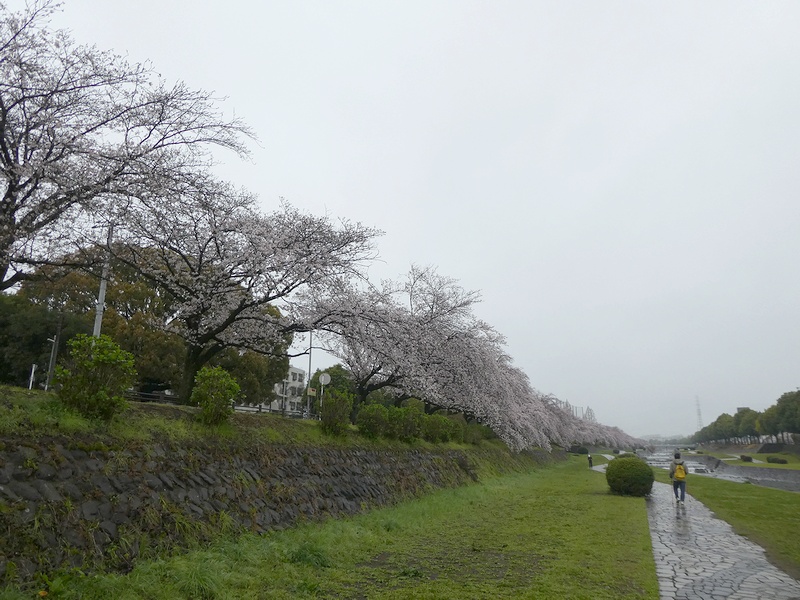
[[87, 506]]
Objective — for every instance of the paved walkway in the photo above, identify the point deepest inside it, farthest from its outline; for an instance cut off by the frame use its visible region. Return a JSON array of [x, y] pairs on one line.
[[699, 557]]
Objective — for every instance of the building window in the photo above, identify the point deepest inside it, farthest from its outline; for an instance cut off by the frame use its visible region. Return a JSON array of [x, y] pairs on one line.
[[294, 376]]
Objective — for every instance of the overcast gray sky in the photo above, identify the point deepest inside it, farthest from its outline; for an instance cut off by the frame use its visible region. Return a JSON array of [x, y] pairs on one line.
[[619, 179]]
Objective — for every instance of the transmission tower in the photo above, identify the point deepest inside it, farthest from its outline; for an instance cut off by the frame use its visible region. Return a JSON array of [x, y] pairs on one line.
[[699, 417]]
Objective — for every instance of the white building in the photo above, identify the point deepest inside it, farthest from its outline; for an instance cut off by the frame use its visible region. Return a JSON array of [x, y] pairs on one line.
[[290, 394]]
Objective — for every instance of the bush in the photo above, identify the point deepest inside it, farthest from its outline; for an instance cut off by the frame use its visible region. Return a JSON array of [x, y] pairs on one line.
[[475, 432], [436, 428], [777, 460], [457, 425], [404, 423], [214, 392], [372, 420], [575, 449], [616, 450], [98, 373], [746, 458], [629, 476], [335, 412], [627, 455]]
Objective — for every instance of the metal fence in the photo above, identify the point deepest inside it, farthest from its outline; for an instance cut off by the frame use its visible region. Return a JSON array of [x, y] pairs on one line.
[[164, 398]]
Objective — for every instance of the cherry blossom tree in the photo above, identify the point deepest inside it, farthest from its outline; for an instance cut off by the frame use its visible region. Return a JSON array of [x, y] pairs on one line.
[[230, 271], [78, 124], [421, 339]]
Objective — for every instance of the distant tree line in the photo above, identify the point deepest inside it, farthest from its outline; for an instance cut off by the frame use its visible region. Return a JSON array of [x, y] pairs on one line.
[[747, 425]]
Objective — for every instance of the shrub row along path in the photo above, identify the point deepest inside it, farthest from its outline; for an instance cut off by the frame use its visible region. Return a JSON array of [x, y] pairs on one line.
[[698, 556]]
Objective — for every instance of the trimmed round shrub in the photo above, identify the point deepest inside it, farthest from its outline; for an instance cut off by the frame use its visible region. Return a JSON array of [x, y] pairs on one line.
[[629, 476], [335, 412], [214, 392], [97, 374], [616, 451], [777, 460], [746, 458], [372, 420], [579, 449]]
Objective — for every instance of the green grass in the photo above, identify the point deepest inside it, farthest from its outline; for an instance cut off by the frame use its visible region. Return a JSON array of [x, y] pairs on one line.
[[767, 516], [35, 413], [793, 460], [554, 532]]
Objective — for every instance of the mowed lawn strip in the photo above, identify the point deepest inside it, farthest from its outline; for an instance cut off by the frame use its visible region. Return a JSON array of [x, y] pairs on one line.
[[768, 517], [555, 532]]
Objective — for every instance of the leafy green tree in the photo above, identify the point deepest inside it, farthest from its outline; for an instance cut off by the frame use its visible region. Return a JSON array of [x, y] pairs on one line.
[[134, 317], [768, 422], [97, 374], [158, 353], [26, 329], [789, 412], [724, 427], [745, 423], [256, 374]]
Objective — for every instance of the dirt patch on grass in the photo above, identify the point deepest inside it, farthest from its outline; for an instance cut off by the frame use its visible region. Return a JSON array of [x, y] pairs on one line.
[[468, 564]]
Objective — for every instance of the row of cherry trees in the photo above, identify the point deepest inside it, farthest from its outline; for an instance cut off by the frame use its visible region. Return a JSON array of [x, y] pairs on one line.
[[90, 145], [420, 338]]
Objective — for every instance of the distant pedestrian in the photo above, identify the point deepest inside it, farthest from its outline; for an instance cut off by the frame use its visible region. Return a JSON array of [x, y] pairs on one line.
[[677, 472], [590, 460]]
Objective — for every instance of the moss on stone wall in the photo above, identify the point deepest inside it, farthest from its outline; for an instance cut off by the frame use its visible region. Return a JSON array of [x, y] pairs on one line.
[[99, 505]]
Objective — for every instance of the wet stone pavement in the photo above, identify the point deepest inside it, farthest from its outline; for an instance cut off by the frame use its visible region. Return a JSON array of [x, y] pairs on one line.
[[700, 557]]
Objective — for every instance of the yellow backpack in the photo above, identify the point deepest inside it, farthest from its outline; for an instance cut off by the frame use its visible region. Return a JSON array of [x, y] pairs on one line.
[[680, 472]]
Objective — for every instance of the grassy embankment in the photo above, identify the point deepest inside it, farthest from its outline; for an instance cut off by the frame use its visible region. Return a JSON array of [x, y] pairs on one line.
[[553, 532]]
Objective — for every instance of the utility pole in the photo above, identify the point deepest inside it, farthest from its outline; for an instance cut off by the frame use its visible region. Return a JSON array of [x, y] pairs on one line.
[[101, 296], [308, 378], [54, 352]]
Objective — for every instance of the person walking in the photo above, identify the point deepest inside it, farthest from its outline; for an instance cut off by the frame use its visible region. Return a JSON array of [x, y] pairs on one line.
[[590, 460], [677, 472]]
